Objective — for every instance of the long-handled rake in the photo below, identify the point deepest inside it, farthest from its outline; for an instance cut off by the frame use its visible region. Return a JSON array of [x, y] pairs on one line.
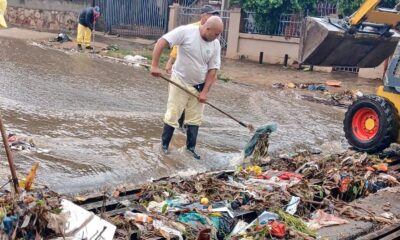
[[249, 126]]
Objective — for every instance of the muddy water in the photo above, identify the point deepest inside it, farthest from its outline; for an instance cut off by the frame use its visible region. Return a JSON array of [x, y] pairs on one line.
[[102, 121]]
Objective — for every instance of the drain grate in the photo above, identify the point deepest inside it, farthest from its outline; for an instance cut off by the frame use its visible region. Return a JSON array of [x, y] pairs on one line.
[[346, 69], [388, 233]]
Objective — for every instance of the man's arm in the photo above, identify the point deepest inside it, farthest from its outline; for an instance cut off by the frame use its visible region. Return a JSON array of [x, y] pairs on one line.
[[211, 78], [157, 51], [89, 19]]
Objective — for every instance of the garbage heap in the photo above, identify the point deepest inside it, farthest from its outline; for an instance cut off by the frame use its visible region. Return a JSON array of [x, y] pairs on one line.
[[328, 96], [289, 197]]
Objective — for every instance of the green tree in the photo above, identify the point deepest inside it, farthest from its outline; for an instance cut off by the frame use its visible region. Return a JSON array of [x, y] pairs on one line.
[[268, 12]]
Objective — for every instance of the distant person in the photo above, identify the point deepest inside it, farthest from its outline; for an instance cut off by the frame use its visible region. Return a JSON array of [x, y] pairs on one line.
[[87, 20], [205, 13], [199, 58], [3, 7]]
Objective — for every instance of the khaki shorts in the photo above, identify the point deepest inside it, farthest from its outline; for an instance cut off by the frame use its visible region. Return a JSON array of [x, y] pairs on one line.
[[178, 101]]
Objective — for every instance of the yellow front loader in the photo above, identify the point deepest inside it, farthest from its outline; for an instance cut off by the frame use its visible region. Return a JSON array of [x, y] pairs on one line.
[[365, 39]]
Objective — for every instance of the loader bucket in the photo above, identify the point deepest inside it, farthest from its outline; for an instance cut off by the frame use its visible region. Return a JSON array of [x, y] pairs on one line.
[[324, 44]]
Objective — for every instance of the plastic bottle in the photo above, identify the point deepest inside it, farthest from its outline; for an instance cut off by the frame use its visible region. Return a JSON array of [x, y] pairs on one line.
[[138, 217]]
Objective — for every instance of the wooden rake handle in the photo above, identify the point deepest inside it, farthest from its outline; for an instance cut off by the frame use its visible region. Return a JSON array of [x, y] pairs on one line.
[[211, 105], [249, 126]]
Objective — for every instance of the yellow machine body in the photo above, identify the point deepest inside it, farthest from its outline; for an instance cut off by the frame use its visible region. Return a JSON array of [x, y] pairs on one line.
[[393, 98]]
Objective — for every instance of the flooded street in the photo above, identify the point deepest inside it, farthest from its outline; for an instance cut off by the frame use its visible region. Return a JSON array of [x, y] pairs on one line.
[[102, 121]]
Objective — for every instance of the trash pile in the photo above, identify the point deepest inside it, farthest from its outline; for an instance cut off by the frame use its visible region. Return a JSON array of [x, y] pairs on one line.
[[341, 99], [62, 37], [28, 215], [45, 215], [31, 212], [289, 197], [135, 59], [308, 86], [24, 143]]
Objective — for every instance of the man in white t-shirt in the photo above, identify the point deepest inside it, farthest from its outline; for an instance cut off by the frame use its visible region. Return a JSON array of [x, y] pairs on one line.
[[199, 58]]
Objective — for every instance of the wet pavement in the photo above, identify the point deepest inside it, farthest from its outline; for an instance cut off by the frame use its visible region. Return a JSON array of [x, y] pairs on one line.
[[102, 121]]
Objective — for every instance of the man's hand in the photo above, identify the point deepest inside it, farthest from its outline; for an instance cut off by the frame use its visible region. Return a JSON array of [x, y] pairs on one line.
[[203, 96], [155, 71]]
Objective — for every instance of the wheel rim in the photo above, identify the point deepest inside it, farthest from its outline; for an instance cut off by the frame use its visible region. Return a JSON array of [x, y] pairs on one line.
[[365, 124]]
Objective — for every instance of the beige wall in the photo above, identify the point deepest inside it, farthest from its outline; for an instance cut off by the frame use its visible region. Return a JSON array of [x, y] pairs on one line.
[[372, 72], [249, 46], [274, 48]]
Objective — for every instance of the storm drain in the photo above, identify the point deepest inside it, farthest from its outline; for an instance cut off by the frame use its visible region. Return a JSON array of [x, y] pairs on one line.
[[388, 233]]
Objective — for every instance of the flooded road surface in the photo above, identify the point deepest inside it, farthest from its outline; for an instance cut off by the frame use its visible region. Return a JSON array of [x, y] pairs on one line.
[[102, 121]]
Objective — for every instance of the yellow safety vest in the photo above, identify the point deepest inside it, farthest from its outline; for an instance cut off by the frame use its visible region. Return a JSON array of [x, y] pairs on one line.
[[3, 6]]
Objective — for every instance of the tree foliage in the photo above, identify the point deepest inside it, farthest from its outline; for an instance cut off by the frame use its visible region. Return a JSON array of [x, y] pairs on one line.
[[268, 12]]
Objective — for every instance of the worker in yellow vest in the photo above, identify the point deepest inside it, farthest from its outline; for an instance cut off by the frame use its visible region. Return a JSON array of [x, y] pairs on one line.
[[3, 7]]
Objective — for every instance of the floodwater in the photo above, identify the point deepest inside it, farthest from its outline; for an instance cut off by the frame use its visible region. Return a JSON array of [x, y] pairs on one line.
[[102, 121]]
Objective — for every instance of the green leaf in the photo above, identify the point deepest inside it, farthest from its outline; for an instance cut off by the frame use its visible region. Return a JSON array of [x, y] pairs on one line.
[[164, 209]]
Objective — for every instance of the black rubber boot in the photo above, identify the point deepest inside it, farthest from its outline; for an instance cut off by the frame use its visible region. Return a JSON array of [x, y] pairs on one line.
[[166, 137], [191, 133], [80, 47]]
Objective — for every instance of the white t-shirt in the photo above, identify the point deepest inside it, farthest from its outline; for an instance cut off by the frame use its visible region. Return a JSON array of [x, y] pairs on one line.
[[195, 56]]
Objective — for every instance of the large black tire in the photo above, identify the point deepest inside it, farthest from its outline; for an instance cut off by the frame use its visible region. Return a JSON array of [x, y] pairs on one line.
[[388, 124]]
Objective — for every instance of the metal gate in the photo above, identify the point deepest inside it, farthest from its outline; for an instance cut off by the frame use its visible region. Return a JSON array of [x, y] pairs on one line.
[[186, 3], [138, 18], [189, 15]]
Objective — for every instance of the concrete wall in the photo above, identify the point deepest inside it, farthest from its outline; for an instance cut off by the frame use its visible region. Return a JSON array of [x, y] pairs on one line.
[[42, 19], [274, 48], [48, 15], [249, 46], [372, 72], [54, 5]]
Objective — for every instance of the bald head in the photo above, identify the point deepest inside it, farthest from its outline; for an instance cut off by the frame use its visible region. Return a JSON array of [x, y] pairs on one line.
[[214, 22], [212, 28]]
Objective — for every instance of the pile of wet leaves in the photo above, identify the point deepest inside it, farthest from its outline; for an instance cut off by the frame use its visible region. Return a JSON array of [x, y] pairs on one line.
[[292, 196]]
